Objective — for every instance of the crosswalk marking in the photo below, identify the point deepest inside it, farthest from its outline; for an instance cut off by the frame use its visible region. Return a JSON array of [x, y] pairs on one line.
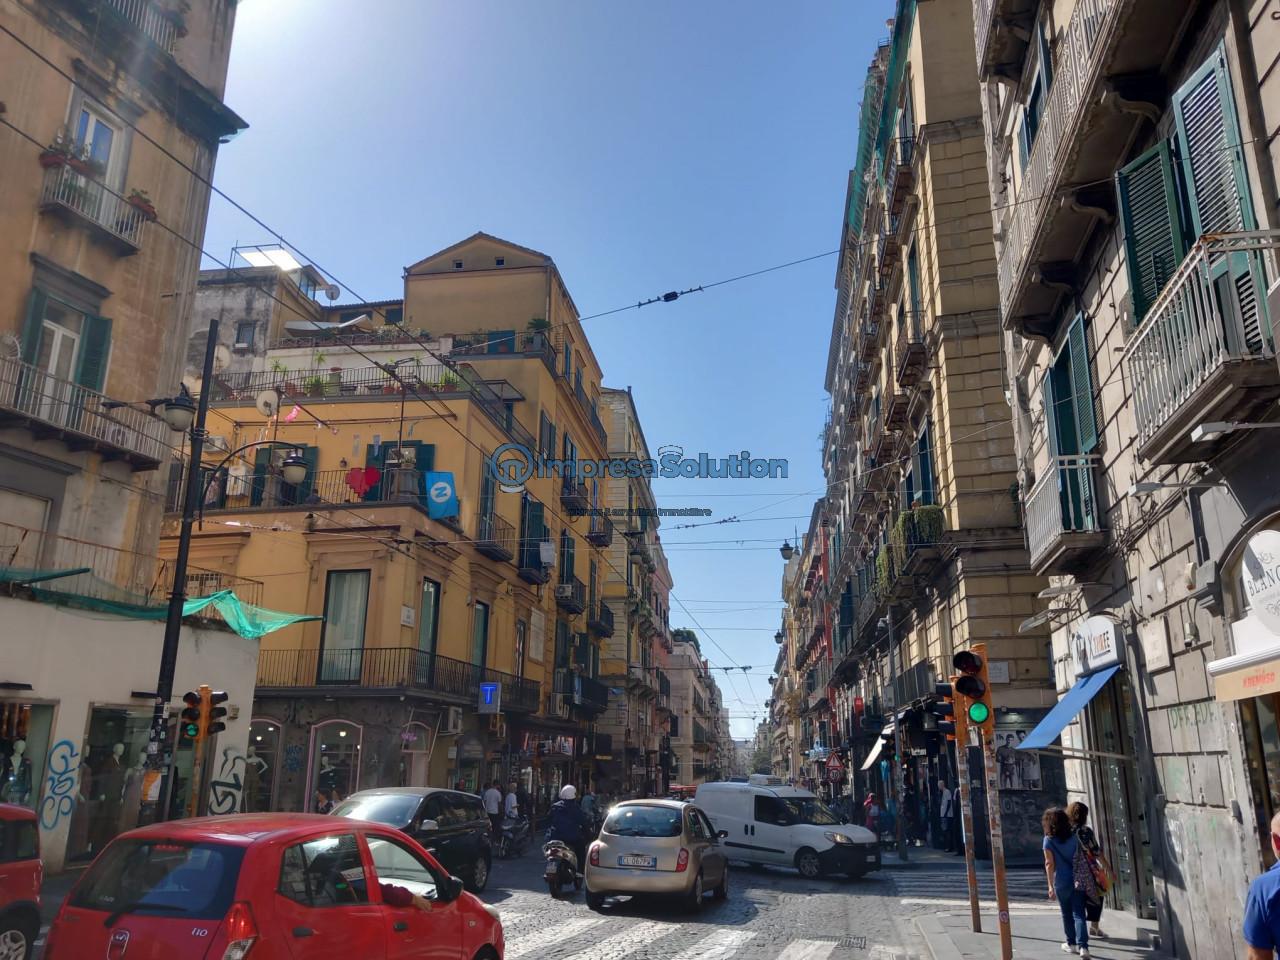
[[721, 945], [556, 932], [808, 950], [628, 941]]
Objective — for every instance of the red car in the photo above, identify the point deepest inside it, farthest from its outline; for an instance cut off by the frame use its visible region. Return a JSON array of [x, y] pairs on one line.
[[20, 875], [278, 886]]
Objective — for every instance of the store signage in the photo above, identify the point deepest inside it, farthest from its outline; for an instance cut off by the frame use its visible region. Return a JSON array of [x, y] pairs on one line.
[[1095, 644], [1255, 681], [490, 698], [1260, 573]]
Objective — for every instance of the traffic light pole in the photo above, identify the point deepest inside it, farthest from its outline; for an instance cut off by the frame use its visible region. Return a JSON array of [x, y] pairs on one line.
[[966, 812], [197, 756], [997, 844]]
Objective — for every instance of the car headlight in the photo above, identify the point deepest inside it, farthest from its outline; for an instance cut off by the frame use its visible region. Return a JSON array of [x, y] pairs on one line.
[[837, 837], [492, 911]]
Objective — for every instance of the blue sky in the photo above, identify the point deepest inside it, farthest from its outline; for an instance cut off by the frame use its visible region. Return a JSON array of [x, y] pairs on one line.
[[646, 147]]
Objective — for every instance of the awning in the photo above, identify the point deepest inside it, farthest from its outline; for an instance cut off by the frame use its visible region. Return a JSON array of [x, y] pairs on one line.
[[874, 755], [1075, 700], [1252, 672]]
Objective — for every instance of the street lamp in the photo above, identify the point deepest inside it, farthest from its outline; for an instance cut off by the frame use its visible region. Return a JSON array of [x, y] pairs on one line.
[[179, 412], [786, 550], [1217, 429], [778, 638], [294, 469]]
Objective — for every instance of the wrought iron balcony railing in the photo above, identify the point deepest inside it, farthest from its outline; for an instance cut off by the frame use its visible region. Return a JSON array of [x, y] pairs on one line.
[[571, 594], [112, 217], [495, 538], [149, 18], [1063, 519]]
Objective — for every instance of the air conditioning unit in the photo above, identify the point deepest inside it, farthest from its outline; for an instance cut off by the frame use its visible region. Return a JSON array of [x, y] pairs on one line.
[[564, 591], [215, 442], [547, 553], [453, 722]]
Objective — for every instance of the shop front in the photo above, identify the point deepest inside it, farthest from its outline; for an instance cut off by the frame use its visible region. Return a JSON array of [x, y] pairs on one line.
[[1102, 705]]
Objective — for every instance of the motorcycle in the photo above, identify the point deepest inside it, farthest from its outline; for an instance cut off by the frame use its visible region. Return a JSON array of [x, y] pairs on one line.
[[514, 837], [561, 868]]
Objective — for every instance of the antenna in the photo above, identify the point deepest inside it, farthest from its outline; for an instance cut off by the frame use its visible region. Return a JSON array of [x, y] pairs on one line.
[[268, 403], [333, 291]]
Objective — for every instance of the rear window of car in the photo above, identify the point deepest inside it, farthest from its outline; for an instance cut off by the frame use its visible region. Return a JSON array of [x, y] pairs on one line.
[[643, 821], [393, 809], [163, 877]]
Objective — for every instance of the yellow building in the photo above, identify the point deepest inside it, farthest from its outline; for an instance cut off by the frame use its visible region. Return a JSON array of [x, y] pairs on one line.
[[421, 612]]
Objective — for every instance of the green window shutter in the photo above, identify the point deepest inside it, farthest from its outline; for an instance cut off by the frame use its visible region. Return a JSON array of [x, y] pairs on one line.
[[1050, 413], [307, 486], [1210, 150], [1153, 238], [374, 457], [426, 455], [261, 467], [34, 327], [95, 348], [1082, 386]]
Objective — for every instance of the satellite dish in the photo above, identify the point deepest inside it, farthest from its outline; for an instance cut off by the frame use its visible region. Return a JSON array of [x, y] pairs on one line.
[[221, 358], [268, 403], [333, 291]]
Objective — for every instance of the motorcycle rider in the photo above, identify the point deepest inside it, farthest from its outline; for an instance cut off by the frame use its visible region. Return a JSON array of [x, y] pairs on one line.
[[569, 824]]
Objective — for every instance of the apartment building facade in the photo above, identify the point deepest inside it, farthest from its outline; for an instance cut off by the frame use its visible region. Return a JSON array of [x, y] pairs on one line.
[[433, 607], [114, 116], [1133, 178], [693, 691], [917, 551]]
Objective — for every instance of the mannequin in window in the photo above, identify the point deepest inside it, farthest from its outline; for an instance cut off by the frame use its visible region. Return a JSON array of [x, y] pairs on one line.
[[131, 797], [82, 816], [327, 786], [109, 787], [254, 768], [17, 781]]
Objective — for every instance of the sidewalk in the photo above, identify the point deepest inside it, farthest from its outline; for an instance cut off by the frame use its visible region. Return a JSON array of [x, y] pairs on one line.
[[924, 857], [1037, 933]]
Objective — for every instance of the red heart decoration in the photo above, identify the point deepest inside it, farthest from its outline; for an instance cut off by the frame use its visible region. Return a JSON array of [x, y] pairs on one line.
[[363, 479]]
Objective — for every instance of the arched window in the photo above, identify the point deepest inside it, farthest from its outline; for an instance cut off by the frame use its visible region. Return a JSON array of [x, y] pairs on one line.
[[262, 760], [335, 763]]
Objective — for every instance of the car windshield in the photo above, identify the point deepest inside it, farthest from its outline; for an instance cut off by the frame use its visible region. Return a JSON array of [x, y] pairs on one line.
[[810, 810], [195, 881], [640, 821], [393, 809]]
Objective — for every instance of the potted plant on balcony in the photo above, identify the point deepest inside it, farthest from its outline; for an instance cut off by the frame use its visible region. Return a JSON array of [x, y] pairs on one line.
[[314, 386], [58, 153], [449, 382], [140, 201]]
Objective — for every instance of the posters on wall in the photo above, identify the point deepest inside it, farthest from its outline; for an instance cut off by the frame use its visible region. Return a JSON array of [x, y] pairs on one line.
[[1018, 769]]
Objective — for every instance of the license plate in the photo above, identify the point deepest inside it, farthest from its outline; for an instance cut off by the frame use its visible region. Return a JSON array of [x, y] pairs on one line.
[[552, 870], [648, 863]]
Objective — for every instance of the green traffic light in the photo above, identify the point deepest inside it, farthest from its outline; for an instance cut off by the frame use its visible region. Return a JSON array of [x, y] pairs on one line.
[[979, 712], [191, 730]]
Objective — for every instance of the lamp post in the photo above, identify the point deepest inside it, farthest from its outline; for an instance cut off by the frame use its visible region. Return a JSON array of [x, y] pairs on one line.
[[178, 414]]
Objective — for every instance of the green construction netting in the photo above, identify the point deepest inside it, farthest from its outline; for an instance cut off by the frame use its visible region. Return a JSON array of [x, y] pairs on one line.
[[79, 587]]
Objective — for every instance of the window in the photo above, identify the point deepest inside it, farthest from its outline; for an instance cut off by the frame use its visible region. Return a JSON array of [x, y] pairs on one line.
[[195, 881], [244, 332], [570, 450], [480, 634], [642, 821], [1036, 97], [1067, 392], [324, 873], [457, 264], [395, 863], [522, 640], [101, 138], [499, 261], [533, 531], [393, 316], [429, 616], [66, 343], [268, 487], [346, 316], [488, 492], [346, 603], [568, 361], [918, 482], [566, 556], [546, 436], [696, 829], [18, 841], [774, 811], [564, 644]]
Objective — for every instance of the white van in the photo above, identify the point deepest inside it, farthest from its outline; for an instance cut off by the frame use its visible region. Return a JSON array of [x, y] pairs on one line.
[[772, 823]]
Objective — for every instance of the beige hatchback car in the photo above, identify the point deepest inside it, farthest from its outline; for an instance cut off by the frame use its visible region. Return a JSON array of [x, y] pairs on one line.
[[660, 848]]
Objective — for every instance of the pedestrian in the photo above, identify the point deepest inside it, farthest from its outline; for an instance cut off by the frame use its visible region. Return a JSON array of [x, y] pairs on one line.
[[510, 803], [1060, 846], [460, 786], [1262, 907], [946, 812], [493, 807], [569, 823], [1078, 814], [525, 801], [871, 814]]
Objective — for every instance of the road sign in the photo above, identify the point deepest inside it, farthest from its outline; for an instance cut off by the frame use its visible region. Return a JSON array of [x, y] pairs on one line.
[[490, 698]]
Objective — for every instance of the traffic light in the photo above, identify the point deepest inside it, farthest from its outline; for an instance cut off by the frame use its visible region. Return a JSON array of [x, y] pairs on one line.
[[192, 719], [975, 686], [211, 713], [945, 708]]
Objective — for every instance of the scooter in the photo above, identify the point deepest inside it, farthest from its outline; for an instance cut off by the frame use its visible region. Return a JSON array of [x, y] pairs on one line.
[[514, 838], [561, 868]]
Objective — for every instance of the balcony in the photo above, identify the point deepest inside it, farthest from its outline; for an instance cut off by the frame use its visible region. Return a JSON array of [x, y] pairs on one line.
[[575, 496], [600, 533], [86, 201], [640, 549], [1001, 31], [900, 179], [890, 253], [531, 568], [495, 538], [916, 539], [1204, 352], [1106, 79], [868, 340], [157, 23], [571, 595], [390, 668], [641, 678], [896, 407], [582, 692], [910, 350], [1063, 518], [81, 418], [600, 619], [478, 346]]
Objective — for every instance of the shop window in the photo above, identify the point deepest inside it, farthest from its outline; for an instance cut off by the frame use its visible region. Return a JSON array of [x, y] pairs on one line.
[[335, 767], [261, 761], [118, 791], [24, 744], [416, 743]]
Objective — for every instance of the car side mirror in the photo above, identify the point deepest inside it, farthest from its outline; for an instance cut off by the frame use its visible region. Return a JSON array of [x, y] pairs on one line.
[[721, 834], [451, 889], [428, 826]]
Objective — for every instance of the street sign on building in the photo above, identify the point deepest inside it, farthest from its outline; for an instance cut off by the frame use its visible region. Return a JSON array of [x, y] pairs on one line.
[[490, 698]]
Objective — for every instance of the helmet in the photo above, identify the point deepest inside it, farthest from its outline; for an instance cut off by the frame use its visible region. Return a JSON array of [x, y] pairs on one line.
[[569, 793]]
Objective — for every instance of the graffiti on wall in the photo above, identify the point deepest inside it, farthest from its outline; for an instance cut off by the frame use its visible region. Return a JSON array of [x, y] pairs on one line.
[[63, 769], [293, 755], [227, 786]]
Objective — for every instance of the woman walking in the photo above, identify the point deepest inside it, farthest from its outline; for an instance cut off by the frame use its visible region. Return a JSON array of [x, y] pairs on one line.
[[1078, 814], [1060, 845]]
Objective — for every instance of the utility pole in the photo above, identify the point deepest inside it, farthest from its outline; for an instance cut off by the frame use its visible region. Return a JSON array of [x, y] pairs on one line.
[[966, 815]]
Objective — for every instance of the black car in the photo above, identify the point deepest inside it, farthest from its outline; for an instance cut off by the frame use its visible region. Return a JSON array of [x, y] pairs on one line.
[[450, 824]]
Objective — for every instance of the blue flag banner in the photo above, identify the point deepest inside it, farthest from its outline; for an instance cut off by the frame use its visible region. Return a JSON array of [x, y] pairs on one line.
[[442, 496]]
